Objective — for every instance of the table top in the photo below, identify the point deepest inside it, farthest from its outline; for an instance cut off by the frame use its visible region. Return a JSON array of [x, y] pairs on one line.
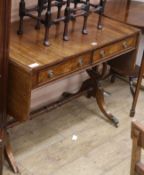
[[130, 12], [29, 49]]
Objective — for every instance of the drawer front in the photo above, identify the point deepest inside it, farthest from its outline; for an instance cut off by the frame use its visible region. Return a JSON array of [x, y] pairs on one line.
[[114, 49], [64, 68]]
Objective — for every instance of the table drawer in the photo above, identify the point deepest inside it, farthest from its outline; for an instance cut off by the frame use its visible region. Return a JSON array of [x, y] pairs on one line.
[[69, 66], [114, 49]]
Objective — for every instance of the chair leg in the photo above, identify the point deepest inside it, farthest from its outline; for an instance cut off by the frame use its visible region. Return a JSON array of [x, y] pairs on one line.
[[131, 84], [136, 94], [9, 155], [1, 150], [136, 151]]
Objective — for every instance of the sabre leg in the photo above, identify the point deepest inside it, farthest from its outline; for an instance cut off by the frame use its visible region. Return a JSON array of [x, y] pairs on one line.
[[97, 92]]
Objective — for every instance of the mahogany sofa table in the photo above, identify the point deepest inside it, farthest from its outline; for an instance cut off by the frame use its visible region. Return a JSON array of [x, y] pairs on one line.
[[32, 65]]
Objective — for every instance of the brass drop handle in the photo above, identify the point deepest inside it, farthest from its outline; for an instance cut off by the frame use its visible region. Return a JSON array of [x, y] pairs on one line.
[[80, 61], [125, 44], [50, 73], [102, 53]]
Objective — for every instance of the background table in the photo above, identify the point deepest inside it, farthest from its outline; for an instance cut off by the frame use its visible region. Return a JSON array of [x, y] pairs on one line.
[[128, 11]]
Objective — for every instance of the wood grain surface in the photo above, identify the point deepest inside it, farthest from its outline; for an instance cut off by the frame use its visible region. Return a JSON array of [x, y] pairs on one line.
[[28, 48], [63, 58]]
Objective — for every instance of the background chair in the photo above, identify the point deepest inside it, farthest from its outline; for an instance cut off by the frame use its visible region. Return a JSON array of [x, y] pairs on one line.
[[137, 134]]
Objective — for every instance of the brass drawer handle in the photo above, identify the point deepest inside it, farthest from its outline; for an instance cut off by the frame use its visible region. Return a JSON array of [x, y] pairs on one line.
[[80, 62], [50, 73], [125, 44], [102, 53]]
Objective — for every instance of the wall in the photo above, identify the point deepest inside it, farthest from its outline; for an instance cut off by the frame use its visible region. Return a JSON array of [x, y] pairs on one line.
[[29, 3], [15, 7], [15, 4]]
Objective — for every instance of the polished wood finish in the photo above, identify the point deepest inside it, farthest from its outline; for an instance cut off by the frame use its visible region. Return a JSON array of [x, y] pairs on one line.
[[137, 134], [97, 92], [19, 89], [27, 49], [115, 48], [63, 58], [128, 11], [64, 68]]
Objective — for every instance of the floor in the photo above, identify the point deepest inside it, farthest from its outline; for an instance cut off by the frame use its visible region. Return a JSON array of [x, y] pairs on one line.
[[76, 139]]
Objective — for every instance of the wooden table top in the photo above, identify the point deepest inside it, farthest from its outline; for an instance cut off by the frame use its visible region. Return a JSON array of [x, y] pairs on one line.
[[128, 11], [29, 49]]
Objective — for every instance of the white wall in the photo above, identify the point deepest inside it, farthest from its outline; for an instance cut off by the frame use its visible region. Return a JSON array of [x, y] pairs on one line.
[[15, 7]]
